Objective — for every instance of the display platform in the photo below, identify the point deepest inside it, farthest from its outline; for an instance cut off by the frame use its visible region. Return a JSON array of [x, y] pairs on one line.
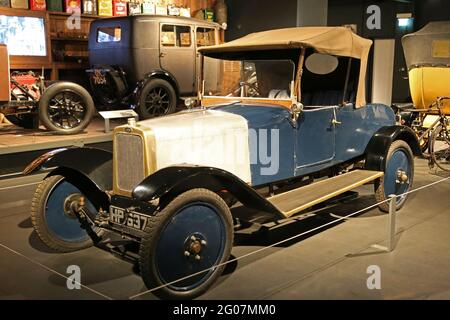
[[330, 263], [20, 146]]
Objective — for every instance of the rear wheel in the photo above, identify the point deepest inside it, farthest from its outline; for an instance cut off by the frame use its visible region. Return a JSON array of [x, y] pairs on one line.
[[52, 218], [398, 175], [193, 233], [157, 98], [66, 108]]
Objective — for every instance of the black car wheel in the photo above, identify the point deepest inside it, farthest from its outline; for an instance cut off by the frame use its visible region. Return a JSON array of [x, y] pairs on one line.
[[66, 108], [192, 234], [157, 98]]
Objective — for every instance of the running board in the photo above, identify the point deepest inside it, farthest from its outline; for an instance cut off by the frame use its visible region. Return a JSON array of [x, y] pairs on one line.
[[294, 201]]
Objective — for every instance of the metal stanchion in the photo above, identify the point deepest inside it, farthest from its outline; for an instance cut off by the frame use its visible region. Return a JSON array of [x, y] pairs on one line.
[[391, 229]]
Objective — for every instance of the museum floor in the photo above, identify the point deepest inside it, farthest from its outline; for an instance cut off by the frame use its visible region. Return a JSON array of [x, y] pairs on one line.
[[329, 264]]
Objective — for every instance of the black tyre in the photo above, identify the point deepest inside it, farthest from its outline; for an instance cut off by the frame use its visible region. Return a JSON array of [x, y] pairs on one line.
[[157, 98], [398, 175], [55, 225], [66, 108], [191, 234]]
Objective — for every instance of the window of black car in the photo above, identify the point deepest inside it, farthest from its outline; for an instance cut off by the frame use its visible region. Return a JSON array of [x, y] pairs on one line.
[[175, 36], [205, 37], [109, 34]]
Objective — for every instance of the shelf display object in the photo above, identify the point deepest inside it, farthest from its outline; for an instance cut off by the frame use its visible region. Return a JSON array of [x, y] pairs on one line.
[[19, 4], [119, 8], [38, 5], [72, 6], [105, 8], [135, 7], [90, 7]]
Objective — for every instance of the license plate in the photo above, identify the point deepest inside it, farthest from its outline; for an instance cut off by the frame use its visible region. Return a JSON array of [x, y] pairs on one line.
[[132, 220], [99, 77]]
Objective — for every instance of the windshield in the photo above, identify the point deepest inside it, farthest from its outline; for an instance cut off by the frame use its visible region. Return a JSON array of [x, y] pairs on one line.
[[269, 79]]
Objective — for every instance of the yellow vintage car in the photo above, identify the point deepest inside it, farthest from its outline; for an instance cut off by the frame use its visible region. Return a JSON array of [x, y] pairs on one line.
[[427, 54]]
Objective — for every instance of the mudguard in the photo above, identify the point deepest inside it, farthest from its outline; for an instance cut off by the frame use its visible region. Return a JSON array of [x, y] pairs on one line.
[[177, 179], [377, 149], [94, 164], [156, 74]]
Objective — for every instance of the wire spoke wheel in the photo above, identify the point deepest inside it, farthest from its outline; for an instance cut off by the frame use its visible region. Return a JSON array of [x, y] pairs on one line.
[[157, 102], [66, 110], [440, 148], [156, 98]]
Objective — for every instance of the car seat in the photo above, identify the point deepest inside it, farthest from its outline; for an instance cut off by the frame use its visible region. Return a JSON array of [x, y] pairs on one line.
[[278, 94]]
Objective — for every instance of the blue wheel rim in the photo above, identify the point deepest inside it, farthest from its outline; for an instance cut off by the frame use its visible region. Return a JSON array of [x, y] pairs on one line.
[[203, 220], [399, 160], [61, 225]]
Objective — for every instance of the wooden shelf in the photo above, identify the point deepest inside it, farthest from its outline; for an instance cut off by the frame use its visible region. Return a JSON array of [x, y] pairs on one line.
[[70, 65], [68, 39], [65, 14]]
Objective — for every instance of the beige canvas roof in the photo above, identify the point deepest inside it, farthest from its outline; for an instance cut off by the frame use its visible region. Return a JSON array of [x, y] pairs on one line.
[[339, 41]]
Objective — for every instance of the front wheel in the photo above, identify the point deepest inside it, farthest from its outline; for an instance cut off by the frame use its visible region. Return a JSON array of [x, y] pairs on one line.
[[66, 108], [398, 175], [52, 218], [193, 233], [157, 98]]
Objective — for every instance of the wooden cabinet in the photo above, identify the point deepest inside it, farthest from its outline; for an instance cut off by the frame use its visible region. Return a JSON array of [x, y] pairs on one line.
[[69, 42]]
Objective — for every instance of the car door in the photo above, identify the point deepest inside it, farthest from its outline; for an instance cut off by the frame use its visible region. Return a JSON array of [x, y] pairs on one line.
[[315, 136], [208, 37], [177, 55]]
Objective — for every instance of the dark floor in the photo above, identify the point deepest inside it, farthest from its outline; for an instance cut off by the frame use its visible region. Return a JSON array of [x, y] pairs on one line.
[[328, 264]]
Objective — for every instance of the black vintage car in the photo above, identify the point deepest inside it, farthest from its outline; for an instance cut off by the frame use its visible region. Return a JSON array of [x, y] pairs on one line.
[[147, 62]]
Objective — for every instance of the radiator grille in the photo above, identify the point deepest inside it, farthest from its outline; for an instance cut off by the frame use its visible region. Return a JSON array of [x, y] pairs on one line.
[[129, 152]]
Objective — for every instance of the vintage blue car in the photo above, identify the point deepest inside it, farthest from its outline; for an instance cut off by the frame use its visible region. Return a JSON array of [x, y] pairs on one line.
[[287, 128]]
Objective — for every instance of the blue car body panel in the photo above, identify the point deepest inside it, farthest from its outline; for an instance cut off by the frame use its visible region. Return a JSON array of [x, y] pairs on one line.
[[313, 143]]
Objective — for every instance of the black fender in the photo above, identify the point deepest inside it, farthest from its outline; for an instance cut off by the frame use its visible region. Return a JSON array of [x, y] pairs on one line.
[[177, 179], [377, 149], [156, 74], [118, 77], [90, 169]]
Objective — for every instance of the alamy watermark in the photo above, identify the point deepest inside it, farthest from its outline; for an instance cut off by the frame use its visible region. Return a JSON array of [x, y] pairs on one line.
[[74, 21], [74, 279], [374, 280], [373, 22], [223, 147]]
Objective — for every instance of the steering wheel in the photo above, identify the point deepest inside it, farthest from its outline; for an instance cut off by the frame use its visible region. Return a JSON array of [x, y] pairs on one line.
[[252, 89]]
